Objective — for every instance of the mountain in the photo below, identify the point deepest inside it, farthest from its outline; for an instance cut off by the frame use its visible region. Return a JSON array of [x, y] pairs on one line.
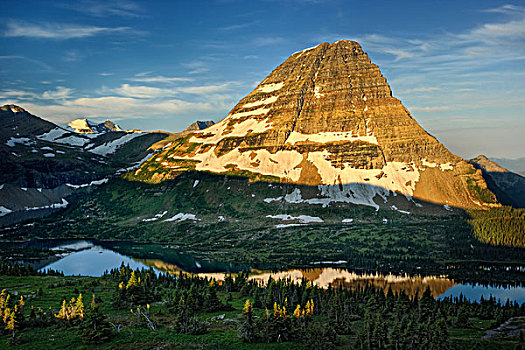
[[41, 163], [515, 165], [326, 121], [84, 126], [199, 125], [508, 186]]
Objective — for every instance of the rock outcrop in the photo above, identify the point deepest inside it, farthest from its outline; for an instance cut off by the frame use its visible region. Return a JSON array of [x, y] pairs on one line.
[[326, 117]]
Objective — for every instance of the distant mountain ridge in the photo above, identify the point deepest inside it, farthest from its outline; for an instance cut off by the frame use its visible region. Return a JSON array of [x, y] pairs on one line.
[[515, 165], [85, 126], [42, 163], [508, 186]]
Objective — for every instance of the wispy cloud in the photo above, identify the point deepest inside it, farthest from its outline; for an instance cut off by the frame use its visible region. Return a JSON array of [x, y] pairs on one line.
[[72, 56], [57, 31], [267, 41], [430, 109], [507, 9], [104, 8], [197, 67], [238, 26], [26, 59], [158, 79], [60, 93]]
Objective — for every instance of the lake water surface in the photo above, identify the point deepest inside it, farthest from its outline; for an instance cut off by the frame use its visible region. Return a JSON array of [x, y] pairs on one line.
[[86, 259]]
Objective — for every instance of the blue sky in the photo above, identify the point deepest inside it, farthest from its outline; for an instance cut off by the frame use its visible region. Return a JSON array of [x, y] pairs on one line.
[[458, 66]]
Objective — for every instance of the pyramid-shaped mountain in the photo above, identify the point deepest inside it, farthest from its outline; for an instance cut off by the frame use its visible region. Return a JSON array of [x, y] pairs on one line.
[[326, 117]]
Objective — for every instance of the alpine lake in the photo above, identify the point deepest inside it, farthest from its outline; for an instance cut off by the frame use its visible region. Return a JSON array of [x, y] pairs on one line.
[[94, 258]]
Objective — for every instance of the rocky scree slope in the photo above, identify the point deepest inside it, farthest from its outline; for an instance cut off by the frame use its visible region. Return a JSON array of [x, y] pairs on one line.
[[326, 117]]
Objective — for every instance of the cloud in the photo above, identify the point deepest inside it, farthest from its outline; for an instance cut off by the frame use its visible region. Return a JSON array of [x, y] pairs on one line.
[[510, 33], [267, 41], [30, 60], [206, 89], [196, 67], [105, 74], [506, 9], [104, 8], [400, 54], [239, 26], [250, 57], [60, 93], [430, 109], [142, 91], [157, 79], [57, 31], [72, 56]]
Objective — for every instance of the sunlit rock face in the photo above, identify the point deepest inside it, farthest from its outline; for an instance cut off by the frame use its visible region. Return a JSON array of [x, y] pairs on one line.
[[326, 117]]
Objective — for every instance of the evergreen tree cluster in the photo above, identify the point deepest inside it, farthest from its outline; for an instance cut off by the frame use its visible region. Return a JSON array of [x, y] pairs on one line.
[[499, 226], [274, 311], [24, 270]]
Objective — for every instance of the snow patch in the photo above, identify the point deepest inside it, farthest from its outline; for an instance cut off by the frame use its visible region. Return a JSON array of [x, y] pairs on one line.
[[347, 221], [63, 204], [111, 146], [92, 183], [156, 217], [195, 183], [182, 217], [338, 262], [22, 140], [258, 111], [288, 225], [305, 219], [266, 101], [447, 207], [46, 148], [4, 210], [317, 94], [49, 155], [270, 87], [221, 218]]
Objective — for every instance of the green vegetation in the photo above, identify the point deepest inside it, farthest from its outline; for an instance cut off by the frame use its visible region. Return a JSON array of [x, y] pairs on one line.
[[233, 226], [499, 226], [128, 309], [483, 194]]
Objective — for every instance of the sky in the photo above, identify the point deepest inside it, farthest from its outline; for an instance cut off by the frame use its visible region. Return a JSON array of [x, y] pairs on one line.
[[458, 66]]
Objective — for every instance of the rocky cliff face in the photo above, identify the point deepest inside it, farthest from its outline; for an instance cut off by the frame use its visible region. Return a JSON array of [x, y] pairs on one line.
[[326, 117]]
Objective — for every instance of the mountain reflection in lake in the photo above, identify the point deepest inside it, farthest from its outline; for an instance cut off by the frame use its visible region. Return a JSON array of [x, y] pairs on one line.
[[93, 260], [323, 277]]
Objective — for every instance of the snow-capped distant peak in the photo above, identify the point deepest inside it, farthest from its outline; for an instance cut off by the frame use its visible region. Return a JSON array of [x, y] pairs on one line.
[[85, 126]]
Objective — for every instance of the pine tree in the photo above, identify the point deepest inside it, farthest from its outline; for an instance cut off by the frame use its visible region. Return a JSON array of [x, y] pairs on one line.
[[12, 326], [246, 330], [95, 329], [79, 307]]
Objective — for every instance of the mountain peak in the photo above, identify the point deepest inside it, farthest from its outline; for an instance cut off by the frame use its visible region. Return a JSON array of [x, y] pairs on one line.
[[326, 117], [199, 125], [12, 108], [85, 126]]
